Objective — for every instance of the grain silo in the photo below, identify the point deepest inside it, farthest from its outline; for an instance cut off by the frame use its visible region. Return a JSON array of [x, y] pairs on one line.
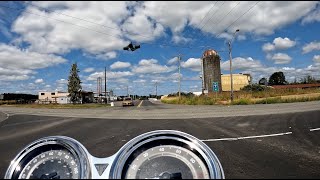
[[211, 71]]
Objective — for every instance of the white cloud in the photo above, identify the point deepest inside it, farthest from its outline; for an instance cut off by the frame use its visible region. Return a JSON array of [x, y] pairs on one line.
[[110, 75], [120, 65], [268, 47], [278, 44], [38, 81], [281, 58], [240, 63], [142, 28], [312, 17], [143, 21], [316, 58], [107, 56], [61, 85], [139, 81], [311, 47], [192, 63], [283, 43], [47, 35], [173, 61], [180, 39], [88, 70], [258, 70], [61, 81], [241, 37], [151, 66], [19, 64]]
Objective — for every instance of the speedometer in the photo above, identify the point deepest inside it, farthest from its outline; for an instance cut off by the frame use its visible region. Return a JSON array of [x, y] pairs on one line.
[[52, 164], [166, 154], [51, 158], [166, 162]]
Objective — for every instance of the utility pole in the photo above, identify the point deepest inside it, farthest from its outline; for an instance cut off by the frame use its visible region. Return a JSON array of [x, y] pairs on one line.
[[231, 91], [230, 48], [202, 78], [156, 90], [179, 60], [127, 91], [105, 86]]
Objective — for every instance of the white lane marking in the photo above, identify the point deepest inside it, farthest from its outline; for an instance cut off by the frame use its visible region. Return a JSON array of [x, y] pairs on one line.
[[6, 115], [222, 139], [246, 137], [316, 129], [140, 103]]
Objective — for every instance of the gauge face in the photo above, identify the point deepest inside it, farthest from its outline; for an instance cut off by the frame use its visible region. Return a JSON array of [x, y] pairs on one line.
[[52, 164], [166, 162]]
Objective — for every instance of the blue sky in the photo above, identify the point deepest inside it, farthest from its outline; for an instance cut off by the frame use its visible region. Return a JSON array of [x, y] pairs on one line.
[[40, 40]]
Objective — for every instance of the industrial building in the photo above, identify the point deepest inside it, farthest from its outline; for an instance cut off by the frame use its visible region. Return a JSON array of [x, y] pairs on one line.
[[63, 97], [211, 71], [18, 97], [239, 81]]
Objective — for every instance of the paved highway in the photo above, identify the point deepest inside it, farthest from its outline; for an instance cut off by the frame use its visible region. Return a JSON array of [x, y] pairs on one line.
[[256, 146], [157, 110]]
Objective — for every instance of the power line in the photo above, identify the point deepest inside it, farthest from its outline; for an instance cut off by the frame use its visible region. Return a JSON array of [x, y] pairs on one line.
[[212, 16], [18, 9], [42, 16], [238, 18], [207, 14], [222, 18], [202, 35], [227, 14], [85, 20]]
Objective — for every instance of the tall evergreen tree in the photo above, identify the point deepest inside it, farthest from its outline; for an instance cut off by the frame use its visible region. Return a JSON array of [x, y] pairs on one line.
[[74, 84]]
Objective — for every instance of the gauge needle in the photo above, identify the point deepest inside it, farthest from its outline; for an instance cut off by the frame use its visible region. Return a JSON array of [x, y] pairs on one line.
[[167, 175], [53, 175]]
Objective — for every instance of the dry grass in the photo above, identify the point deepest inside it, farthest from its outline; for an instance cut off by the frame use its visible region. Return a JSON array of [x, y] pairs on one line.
[[244, 98]]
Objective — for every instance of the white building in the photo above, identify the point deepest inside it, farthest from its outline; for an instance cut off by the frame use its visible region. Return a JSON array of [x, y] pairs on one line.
[[54, 97]]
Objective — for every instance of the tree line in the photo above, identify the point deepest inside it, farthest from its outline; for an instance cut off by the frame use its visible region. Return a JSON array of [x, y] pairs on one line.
[[278, 78]]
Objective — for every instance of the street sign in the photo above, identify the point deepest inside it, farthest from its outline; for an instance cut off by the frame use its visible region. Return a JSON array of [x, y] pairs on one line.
[[215, 86]]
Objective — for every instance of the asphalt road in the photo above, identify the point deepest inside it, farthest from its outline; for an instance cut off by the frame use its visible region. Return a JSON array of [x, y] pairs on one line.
[[157, 110], [291, 155]]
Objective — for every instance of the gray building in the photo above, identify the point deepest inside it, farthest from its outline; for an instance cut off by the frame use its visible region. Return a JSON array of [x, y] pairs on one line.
[[211, 71]]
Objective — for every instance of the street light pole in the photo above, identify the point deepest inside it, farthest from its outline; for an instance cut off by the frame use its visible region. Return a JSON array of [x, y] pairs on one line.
[[179, 59], [231, 79], [105, 86], [156, 90]]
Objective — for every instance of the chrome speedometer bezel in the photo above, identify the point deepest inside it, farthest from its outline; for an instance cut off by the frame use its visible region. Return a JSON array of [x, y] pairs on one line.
[[112, 167], [214, 166], [71, 145]]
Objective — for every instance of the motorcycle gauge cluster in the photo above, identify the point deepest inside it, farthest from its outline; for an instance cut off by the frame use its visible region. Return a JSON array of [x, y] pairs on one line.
[[163, 154]]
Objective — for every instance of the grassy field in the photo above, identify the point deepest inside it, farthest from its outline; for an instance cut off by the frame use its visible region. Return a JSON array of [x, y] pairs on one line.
[[58, 106], [244, 98]]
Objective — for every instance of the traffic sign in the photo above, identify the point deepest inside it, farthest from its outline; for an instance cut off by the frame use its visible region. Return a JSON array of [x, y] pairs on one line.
[[215, 86]]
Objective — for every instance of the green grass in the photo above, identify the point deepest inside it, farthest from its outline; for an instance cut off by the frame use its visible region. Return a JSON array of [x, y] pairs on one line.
[[59, 106]]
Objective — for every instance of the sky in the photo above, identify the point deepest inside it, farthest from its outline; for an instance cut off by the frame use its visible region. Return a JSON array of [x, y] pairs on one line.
[[39, 41]]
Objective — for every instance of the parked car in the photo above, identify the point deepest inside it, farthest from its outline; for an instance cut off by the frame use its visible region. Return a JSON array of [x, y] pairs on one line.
[[127, 101]]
